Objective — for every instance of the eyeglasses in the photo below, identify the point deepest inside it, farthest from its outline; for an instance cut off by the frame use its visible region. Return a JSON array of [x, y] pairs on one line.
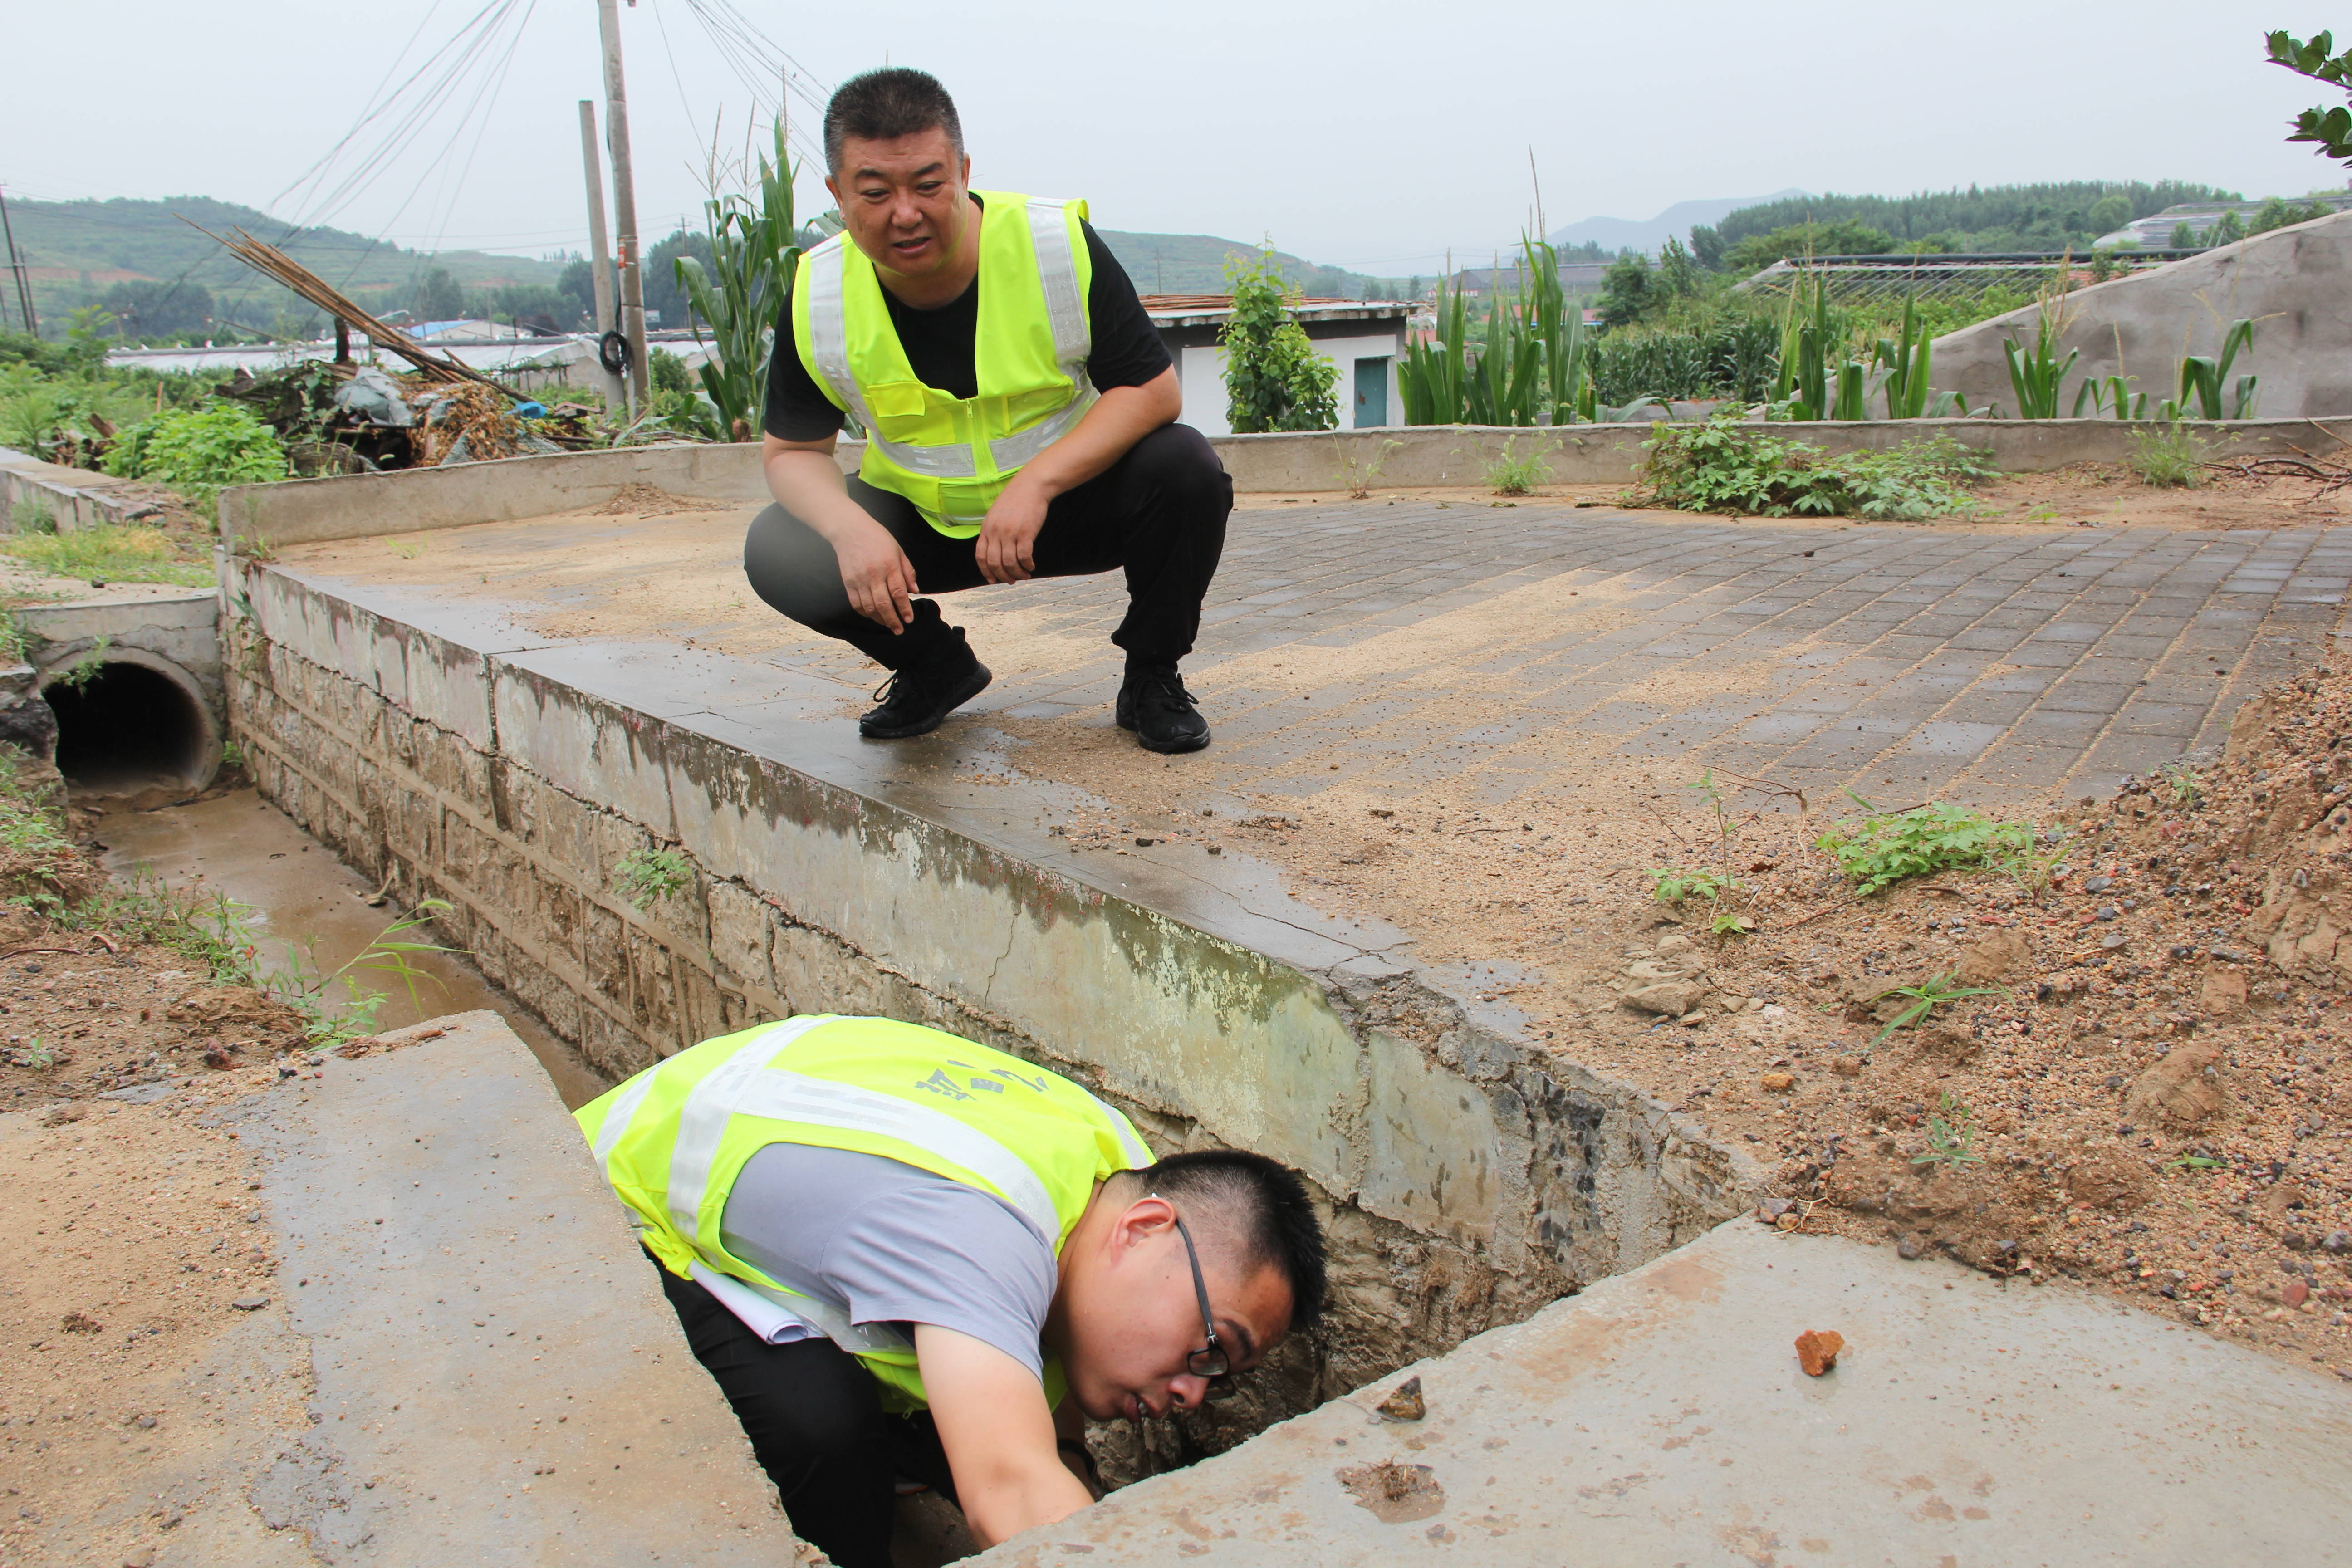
[[1210, 1362]]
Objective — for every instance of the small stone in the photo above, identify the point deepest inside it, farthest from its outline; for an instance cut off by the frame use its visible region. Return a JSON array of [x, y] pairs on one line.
[[2113, 940], [1674, 944], [1910, 1249], [80, 1323], [2111, 914], [2098, 884], [2296, 1293], [1847, 1067], [1780, 1082], [2337, 1241], [1817, 1349], [1143, 843], [1771, 1209], [250, 1303], [1216, 849], [145, 1423], [1405, 1404]]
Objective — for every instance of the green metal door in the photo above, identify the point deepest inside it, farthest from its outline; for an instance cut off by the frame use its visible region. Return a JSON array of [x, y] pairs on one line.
[[1371, 393]]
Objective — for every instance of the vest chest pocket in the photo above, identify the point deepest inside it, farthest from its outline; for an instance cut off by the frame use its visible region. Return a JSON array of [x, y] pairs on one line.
[[897, 400]]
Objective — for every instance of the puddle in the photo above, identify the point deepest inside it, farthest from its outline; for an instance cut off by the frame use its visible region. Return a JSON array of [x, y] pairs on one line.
[[244, 847]]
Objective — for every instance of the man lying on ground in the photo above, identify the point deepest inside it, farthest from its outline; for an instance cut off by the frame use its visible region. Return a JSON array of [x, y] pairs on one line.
[[903, 1255], [1018, 409]]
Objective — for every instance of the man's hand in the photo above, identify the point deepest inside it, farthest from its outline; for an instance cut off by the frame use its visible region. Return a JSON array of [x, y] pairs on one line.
[[999, 1436], [1005, 550], [880, 578]]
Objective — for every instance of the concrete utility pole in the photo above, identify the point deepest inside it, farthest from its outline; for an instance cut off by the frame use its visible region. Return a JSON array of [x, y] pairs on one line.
[[600, 251], [17, 265], [625, 202]]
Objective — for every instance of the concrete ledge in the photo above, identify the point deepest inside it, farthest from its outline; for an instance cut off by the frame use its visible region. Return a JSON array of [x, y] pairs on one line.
[[75, 497], [1661, 1417], [303, 511], [498, 1379]]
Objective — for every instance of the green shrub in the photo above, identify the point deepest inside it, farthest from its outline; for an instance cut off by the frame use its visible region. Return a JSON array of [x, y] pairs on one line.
[[1883, 849], [1723, 466], [199, 452], [1513, 475]]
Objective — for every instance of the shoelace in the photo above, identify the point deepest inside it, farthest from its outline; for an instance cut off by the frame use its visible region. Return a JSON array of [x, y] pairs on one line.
[[1170, 686]]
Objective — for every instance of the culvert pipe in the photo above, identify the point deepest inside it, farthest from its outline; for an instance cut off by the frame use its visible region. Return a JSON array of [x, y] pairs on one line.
[[138, 721]]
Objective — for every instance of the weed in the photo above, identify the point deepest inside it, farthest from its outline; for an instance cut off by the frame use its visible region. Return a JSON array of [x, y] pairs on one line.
[[2032, 866], [1951, 1136], [1359, 478], [33, 1054], [1884, 849], [111, 553], [410, 549], [2167, 457], [1726, 923], [232, 757], [1723, 467], [1673, 883], [32, 515], [84, 670], [1512, 475], [647, 875], [2196, 1163], [16, 639], [1926, 997], [303, 985], [2181, 778], [199, 452]]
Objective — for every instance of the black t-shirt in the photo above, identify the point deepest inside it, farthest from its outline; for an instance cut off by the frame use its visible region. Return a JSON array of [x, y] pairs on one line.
[[939, 343]]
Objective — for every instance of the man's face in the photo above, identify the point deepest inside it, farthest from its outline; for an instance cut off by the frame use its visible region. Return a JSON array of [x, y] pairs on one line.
[[1134, 1317], [903, 201]]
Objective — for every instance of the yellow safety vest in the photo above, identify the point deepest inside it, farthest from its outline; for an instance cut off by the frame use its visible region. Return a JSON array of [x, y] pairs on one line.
[[953, 456], [673, 1138]]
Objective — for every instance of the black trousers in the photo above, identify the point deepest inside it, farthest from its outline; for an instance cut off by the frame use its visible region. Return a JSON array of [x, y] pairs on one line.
[[816, 1419], [1159, 511]]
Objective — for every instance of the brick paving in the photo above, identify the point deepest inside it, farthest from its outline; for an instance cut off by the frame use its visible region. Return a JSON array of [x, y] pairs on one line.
[[1975, 662]]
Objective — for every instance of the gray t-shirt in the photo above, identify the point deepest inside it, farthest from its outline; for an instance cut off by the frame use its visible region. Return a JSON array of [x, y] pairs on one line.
[[892, 1244]]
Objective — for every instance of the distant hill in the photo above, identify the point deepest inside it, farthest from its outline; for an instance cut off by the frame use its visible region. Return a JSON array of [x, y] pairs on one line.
[[1195, 263], [79, 252], [1613, 234]]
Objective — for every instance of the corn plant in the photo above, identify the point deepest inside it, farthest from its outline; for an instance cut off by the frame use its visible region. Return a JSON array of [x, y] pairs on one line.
[[1802, 386], [1529, 370], [2103, 394], [2203, 376], [753, 256], [2035, 377], [1905, 364]]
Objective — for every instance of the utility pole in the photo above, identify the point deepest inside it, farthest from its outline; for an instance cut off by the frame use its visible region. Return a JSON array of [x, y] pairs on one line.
[[17, 265], [625, 202], [600, 253]]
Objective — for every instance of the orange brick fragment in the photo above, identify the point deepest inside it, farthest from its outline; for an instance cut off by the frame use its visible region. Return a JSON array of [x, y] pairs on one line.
[[1817, 1349]]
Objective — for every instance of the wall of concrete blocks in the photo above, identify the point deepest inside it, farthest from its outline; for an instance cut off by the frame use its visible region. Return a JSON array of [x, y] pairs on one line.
[[1471, 1179]]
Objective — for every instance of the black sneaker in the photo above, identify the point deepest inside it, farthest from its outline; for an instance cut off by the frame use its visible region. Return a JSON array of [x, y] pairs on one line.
[[1163, 715], [913, 701]]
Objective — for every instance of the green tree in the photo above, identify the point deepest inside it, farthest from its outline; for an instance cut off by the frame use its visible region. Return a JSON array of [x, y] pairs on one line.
[[438, 298], [2183, 237], [1843, 237], [1274, 378], [2229, 231], [2329, 130], [2279, 212], [2110, 213]]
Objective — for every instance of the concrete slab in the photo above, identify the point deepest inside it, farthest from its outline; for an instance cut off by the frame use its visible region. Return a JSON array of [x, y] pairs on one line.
[[498, 1379], [1661, 1417]]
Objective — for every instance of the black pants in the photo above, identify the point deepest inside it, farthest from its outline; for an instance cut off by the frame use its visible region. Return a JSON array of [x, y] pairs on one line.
[[816, 1419], [1159, 511]]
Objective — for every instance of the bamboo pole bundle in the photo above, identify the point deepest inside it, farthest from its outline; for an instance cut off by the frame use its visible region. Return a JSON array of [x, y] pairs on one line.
[[275, 264]]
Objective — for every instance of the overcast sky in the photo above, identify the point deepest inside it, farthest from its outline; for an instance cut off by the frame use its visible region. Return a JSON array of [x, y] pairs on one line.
[[1374, 136]]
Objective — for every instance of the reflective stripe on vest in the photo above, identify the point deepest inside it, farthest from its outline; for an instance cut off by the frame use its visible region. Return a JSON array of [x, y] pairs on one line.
[[821, 282]]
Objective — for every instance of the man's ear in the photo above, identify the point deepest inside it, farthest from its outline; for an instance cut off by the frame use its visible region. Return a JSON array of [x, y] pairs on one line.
[[1142, 1220], [833, 188]]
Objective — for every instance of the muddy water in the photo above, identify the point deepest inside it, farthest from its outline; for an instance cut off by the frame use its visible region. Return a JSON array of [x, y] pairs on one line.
[[301, 897]]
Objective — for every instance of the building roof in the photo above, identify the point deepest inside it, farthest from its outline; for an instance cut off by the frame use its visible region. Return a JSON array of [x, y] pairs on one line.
[[1208, 309]]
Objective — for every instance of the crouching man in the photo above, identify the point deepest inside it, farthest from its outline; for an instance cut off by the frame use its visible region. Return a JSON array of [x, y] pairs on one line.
[[903, 1255]]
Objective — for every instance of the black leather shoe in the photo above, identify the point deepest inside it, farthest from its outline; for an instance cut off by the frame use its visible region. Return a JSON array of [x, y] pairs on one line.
[[1163, 715], [913, 701]]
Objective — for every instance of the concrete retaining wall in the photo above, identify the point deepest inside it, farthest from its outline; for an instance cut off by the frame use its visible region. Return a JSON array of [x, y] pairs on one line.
[[73, 498], [302, 511], [1471, 1178], [2295, 284]]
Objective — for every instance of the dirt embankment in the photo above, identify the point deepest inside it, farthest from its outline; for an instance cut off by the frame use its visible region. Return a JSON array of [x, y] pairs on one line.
[[147, 1377]]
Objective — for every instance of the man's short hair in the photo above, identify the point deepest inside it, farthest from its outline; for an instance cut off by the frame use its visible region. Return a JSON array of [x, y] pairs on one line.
[[1261, 1210], [886, 104]]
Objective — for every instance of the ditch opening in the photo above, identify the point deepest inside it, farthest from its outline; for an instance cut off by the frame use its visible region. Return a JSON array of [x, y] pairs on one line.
[[130, 726]]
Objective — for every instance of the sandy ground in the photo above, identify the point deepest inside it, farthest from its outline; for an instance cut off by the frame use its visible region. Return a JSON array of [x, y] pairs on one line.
[[150, 1378]]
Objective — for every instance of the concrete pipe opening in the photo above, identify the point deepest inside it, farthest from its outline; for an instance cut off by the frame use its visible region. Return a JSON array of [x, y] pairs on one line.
[[136, 722]]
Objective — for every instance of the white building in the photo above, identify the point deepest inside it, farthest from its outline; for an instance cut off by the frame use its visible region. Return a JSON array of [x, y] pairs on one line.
[[1364, 337]]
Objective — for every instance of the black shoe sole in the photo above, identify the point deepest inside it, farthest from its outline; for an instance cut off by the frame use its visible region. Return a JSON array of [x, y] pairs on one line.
[[968, 688], [1167, 751]]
